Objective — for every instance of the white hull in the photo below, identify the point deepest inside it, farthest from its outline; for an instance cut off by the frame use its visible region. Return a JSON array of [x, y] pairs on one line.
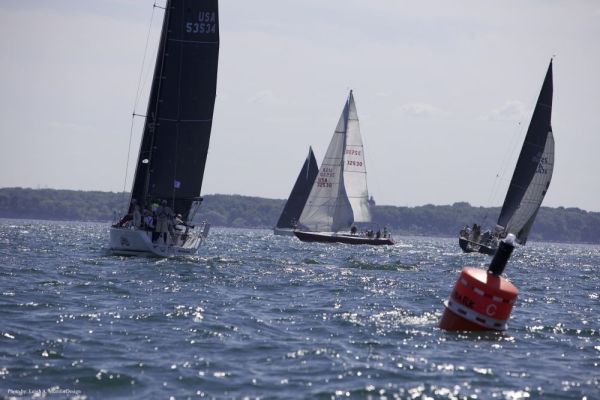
[[131, 242], [283, 231]]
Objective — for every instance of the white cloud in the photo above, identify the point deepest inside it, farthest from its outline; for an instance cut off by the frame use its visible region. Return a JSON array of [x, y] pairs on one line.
[[423, 110], [512, 110]]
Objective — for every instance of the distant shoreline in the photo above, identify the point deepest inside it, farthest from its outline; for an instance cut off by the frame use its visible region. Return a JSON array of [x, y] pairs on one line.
[[556, 225]]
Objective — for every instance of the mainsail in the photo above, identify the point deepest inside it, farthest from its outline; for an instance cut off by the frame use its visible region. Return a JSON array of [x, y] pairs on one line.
[[295, 203], [533, 172], [339, 196], [178, 123]]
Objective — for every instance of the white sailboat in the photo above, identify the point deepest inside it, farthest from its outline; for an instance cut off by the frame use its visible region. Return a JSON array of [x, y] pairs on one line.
[[339, 197], [172, 156]]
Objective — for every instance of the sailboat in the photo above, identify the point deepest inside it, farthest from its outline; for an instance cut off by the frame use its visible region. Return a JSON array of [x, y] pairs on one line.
[[297, 199], [339, 197], [529, 183], [174, 146]]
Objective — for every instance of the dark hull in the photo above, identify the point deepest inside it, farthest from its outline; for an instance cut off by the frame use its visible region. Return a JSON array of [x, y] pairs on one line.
[[341, 238], [471, 247]]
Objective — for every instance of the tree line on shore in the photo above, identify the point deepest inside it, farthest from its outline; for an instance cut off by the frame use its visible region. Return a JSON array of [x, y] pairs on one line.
[[552, 224]]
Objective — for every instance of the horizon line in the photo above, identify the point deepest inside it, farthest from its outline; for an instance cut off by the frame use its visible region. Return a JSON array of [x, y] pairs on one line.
[[284, 199]]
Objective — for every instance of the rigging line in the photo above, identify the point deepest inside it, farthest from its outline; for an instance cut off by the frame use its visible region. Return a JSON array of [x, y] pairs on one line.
[[177, 123], [159, 73], [498, 179], [504, 161], [137, 98], [149, 70], [139, 86], [372, 167], [128, 152], [509, 154]]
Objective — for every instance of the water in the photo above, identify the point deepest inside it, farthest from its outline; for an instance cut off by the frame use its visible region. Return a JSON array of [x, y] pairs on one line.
[[255, 315]]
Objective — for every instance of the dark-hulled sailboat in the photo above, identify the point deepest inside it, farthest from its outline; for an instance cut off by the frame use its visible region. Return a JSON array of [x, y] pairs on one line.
[[529, 183], [339, 197], [172, 155], [297, 199]]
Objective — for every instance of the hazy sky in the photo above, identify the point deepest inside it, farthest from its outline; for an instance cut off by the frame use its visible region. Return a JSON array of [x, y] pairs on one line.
[[444, 92]]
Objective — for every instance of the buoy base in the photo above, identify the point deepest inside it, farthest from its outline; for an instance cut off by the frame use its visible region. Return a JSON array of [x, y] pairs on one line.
[[480, 301], [453, 322]]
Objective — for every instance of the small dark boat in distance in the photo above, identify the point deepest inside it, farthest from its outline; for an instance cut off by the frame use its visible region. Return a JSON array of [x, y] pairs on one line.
[[469, 246], [297, 199]]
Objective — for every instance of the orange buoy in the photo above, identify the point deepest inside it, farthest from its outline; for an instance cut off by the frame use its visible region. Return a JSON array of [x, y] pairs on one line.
[[481, 300]]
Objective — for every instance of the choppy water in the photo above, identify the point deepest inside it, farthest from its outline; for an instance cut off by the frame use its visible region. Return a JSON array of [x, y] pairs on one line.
[[255, 315]]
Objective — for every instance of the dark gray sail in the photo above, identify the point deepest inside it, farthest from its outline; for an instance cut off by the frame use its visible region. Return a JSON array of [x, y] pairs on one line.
[[178, 123], [532, 153], [295, 203]]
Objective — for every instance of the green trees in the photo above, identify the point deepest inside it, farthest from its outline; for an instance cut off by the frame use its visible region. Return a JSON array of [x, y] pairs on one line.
[[240, 211], [60, 204], [552, 224]]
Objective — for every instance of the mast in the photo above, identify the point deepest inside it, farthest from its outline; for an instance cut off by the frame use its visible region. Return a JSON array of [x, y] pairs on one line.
[[178, 124], [532, 153]]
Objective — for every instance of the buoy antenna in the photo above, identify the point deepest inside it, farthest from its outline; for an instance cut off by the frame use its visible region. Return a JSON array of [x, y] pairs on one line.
[[503, 253]]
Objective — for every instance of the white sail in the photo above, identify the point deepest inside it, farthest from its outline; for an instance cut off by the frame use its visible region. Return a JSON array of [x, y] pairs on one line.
[[521, 221], [327, 208], [355, 172]]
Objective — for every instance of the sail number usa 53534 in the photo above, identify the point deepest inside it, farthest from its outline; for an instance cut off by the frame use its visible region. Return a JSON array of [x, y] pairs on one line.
[[207, 23]]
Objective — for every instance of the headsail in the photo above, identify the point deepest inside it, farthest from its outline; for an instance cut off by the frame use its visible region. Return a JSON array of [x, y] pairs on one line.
[[528, 185], [176, 134], [522, 220], [295, 203], [355, 171]]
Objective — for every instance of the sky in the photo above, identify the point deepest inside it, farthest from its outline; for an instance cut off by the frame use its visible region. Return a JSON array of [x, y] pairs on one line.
[[444, 92]]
